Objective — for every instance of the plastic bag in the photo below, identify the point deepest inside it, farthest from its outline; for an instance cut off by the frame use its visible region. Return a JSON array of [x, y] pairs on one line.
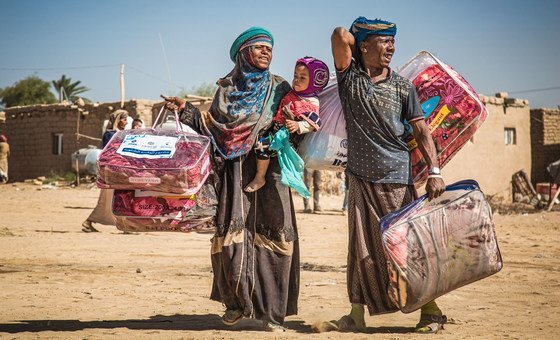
[[326, 149], [291, 164], [434, 247]]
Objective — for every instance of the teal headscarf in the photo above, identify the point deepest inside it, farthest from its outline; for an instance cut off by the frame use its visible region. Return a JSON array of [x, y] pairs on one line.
[[248, 34]]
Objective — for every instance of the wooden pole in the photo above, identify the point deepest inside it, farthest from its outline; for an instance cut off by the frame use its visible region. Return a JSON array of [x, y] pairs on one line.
[[122, 86], [553, 199]]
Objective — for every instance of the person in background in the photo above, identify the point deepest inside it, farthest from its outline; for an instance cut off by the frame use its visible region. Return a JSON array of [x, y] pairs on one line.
[[137, 123], [375, 102], [103, 212], [4, 154], [312, 178]]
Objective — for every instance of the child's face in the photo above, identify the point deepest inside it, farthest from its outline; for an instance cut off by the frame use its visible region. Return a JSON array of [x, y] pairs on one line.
[[301, 78]]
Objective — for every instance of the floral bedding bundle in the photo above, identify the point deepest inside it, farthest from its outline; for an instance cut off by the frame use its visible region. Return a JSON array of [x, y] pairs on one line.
[[451, 109], [158, 160], [434, 247], [144, 211]]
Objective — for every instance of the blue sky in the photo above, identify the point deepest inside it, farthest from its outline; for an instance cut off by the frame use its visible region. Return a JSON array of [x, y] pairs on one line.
[[496, 45]]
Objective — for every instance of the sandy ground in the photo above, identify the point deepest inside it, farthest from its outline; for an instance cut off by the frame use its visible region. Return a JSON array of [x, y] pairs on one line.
[[58, 282]]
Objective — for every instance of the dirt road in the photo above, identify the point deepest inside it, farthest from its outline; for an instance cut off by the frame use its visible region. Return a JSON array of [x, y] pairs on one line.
[[58, 282]]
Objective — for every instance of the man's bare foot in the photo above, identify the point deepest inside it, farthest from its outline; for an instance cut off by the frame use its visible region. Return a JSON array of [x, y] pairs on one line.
[[255, 184]]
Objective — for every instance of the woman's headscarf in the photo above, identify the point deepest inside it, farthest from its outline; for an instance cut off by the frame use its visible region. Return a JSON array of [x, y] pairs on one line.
[[3, 139], [241, 107], [114, 119]]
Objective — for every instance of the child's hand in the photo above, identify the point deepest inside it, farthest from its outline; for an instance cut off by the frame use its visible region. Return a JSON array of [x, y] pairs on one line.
[[292, 126]]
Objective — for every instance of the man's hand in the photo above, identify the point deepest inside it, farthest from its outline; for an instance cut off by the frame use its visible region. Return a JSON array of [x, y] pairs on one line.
[[292, 126], [174, 103], [435, 187]]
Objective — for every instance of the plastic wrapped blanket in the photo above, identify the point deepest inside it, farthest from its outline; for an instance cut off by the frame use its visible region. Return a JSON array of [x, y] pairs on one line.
[[158, 160], [166, 213], [434, 247], [451, 108]]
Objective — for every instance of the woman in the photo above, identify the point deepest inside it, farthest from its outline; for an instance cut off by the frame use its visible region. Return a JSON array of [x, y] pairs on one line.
[[103, 212], [4, 154], [255, 250]]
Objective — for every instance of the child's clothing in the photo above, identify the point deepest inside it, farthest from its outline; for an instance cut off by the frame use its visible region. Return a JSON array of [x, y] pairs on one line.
[[303, 110]]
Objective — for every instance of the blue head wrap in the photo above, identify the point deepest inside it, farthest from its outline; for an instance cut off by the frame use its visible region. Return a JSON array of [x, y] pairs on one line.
[[362, 27], [248, 34]]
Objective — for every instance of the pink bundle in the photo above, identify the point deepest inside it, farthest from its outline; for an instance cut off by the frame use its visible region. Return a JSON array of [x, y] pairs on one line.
[[160, 177], [158, 160], [451, 108]]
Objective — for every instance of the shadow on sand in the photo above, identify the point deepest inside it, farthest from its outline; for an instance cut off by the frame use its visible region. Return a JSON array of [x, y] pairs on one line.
[[171, 322]]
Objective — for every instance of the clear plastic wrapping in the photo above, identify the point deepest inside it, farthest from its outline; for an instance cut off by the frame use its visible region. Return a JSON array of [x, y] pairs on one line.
[[434, 247], [158, 160], [451, 109]]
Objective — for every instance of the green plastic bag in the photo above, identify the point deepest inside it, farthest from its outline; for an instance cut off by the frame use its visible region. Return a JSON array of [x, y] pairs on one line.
[[291, 164]]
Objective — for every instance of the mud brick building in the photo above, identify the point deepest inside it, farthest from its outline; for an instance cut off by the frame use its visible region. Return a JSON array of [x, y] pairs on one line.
[[545, 142]]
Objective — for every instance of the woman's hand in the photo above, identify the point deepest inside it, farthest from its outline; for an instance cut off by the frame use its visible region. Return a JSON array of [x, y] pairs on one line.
[[174, 103], [292, 126]]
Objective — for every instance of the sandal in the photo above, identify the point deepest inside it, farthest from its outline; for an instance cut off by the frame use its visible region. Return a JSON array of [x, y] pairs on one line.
[[87, 227], [232, 316], [430, 324], [344, 324], [273, 327]]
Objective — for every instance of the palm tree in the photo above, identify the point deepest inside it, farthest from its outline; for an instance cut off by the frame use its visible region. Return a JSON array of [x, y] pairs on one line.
[[64, 87]]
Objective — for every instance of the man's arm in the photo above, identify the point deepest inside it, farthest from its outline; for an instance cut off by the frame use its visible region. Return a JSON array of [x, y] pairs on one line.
[[435, 185], [342, 43]]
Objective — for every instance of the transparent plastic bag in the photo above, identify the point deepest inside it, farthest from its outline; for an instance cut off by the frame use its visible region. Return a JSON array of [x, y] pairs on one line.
[[434, 247]]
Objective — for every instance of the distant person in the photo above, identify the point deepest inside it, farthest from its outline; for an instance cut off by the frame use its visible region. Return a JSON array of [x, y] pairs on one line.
[[298, 112], [103, 212], [137, 123], [345, 189], [4, 154], [312, 178]]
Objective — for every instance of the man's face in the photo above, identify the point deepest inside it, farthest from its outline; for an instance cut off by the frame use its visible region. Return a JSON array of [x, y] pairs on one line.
[[261, 55], [379, 50]]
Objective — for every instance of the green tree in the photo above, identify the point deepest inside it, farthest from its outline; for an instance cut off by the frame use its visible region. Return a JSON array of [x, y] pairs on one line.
[[65, 88], [29, 91], [203, 90]]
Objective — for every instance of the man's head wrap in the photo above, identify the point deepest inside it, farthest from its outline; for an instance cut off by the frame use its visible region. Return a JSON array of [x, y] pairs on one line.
[[362, 27], [252, 36], [3, 139]]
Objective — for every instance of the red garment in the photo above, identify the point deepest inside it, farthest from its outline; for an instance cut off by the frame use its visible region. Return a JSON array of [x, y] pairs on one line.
[[301, 109]]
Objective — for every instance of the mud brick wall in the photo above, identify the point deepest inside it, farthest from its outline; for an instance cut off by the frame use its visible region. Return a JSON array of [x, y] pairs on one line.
[[545, 142], [31, 129]]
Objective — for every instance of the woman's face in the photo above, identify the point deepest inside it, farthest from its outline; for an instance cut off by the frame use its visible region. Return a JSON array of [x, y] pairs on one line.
[[122, 123], [261, 56], [301, 78]]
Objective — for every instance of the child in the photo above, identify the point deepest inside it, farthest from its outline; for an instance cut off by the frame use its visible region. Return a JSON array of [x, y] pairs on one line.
[[137, 123], [298, 112]]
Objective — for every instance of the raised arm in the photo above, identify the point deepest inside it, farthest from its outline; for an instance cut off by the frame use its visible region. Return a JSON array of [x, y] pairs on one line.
[[342, 43], [435, 185]]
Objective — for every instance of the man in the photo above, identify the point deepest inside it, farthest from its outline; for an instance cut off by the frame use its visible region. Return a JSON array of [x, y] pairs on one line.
[[375, 102], [312, 178]]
